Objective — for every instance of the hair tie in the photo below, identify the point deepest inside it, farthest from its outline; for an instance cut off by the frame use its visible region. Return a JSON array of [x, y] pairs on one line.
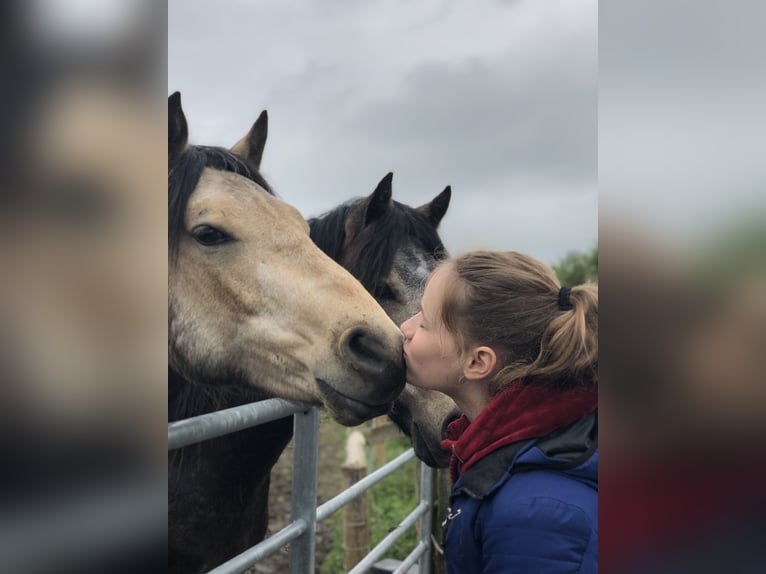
[[564, 303]]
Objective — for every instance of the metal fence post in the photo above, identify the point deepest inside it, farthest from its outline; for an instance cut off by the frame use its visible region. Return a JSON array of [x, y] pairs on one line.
[[442, 489], [305, 476], [426, 496]]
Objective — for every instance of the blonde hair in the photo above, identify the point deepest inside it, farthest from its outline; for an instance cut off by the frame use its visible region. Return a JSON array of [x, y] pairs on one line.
[[510, 302]]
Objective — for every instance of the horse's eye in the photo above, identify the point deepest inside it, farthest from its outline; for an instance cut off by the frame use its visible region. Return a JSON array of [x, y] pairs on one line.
[[206, 235], [387, 293]]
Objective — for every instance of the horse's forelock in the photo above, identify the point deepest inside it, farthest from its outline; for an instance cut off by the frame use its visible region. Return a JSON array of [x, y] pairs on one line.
[[369, 256], [185, 175], [328, 230]]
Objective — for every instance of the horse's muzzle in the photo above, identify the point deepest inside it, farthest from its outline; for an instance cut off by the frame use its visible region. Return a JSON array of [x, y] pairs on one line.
[[380, 364]]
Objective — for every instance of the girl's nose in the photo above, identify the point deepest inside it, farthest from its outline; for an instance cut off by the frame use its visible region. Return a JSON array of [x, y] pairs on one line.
[[406, 329]]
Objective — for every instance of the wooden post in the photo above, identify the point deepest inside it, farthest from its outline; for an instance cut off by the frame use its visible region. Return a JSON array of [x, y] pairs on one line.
[[379, 448], [356, 528]]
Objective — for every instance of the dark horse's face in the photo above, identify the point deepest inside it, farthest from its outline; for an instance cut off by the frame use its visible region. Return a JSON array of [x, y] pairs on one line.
[[388, 246], [402, 240], [392, 248]]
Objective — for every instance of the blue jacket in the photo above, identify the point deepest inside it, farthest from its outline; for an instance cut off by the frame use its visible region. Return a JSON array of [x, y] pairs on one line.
[[530, 506]]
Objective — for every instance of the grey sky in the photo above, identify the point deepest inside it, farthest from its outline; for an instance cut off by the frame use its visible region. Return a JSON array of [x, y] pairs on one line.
[[497, 99], [682, 127]]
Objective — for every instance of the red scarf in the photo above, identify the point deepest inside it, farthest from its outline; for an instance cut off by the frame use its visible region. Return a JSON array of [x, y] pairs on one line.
[[518, 412]]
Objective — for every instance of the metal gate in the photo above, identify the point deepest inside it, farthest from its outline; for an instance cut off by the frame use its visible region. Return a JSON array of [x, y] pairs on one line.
[[301, 532]]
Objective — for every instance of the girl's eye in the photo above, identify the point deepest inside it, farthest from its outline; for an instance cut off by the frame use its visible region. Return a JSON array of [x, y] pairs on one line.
[[207, 235]]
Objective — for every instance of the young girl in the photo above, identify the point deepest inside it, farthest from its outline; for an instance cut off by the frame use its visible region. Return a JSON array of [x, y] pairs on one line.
[[518, 354]]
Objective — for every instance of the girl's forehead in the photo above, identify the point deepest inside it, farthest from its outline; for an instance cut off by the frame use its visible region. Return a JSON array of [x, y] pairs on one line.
[[439, 275], [434, 291]]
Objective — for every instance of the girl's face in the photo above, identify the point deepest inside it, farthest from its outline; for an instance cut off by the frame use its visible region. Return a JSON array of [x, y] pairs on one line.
[[430, 352]]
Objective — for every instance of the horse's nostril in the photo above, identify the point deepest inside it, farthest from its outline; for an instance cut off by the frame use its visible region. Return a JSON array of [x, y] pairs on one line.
[[364, 346], [364, 351], [380, 364]]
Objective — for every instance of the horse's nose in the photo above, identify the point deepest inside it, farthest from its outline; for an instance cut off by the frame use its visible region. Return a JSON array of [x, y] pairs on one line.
[[372, 357]]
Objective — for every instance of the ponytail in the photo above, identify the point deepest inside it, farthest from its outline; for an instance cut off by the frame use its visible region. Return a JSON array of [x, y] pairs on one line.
[[569, 344]]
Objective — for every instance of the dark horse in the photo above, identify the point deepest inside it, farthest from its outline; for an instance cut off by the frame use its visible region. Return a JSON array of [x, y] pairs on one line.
[[255, 310], [392, 248]]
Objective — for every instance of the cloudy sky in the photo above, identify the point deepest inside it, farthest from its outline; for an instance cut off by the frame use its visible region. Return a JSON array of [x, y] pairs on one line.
[[496, 98]]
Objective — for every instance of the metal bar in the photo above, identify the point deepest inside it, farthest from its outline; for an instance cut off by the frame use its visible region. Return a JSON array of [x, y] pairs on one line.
[[305, 513], [426, 497], [211, 425], [385, 544], [412, 557], [242, 562], [304, 504], [342, 499]]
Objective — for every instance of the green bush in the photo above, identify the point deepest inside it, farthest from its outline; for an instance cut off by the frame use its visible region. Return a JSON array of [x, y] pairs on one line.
[[578, 268], [391, 500], [333, 562]]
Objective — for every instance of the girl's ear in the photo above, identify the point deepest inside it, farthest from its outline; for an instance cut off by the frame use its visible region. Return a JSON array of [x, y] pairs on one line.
[[480, 363]]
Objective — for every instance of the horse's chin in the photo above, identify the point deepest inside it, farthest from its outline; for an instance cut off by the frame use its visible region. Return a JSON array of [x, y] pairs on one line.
[[426, 444], [347, 411], [435, 457]]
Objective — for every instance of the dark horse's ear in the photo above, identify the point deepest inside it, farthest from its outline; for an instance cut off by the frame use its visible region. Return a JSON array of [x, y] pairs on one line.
[[251, 146], [178, 129], [437, 207], [379, 201]]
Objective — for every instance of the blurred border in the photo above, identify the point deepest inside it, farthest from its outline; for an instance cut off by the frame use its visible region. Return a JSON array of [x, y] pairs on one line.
[[682, 239], [84, 289], [682, 271]]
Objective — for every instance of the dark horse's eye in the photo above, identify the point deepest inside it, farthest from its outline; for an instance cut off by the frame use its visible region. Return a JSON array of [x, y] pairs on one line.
[[206, 235], [387, 293]]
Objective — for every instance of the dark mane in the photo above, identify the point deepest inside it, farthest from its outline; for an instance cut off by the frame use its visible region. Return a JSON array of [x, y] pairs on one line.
[[188, 397], [328, 230], [184, 177], [370, 255]]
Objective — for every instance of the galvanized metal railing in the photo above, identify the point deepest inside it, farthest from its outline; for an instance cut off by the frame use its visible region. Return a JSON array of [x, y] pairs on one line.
[[301, 532]]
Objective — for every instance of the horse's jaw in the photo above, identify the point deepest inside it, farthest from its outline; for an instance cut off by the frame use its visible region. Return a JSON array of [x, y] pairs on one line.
[[346, 410], [423, 416]]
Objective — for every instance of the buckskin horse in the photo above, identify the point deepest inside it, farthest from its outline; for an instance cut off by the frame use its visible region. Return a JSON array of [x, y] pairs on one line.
[[255, 310]]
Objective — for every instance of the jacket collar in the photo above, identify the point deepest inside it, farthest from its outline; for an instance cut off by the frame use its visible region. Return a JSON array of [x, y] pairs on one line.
[[517, 413], [563, 450]]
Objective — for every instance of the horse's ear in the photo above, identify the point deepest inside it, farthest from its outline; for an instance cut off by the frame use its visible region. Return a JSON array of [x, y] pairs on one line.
[[178, 129], [437, 207], [251, 146], [379, 201]]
